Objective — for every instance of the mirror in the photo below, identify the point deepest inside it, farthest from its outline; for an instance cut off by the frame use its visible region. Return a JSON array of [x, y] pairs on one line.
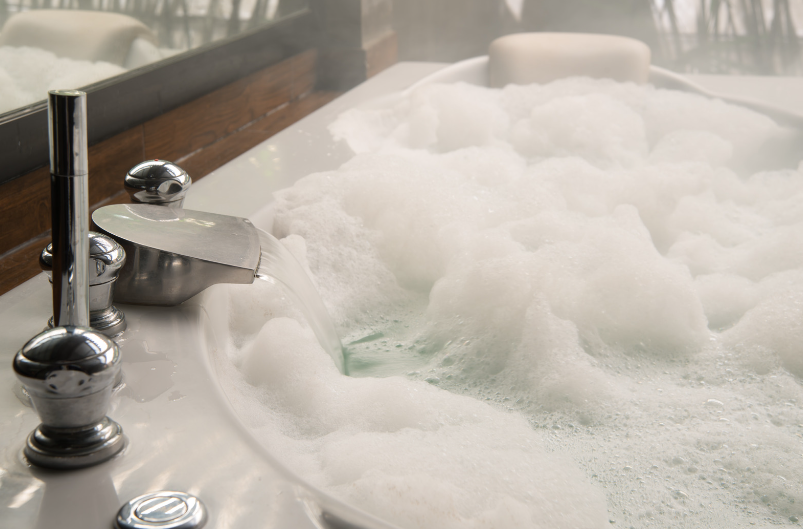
[[49, 44]]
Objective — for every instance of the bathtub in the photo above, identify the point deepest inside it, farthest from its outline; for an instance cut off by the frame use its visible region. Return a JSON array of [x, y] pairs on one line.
[[183, 433]]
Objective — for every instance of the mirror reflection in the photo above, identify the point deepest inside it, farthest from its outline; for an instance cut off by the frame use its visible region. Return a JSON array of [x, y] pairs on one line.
[[50, 44]]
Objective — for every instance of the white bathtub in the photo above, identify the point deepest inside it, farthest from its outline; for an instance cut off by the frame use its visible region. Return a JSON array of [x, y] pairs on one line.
[[183, 434]]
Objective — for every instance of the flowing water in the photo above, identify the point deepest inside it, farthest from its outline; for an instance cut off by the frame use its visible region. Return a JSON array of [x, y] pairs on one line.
[[279, 264]]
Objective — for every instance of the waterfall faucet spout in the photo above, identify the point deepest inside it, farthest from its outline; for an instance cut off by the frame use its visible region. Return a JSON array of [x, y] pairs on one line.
[[174, 253]]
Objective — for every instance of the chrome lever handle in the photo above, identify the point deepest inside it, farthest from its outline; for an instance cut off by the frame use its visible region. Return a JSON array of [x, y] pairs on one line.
[[158, 182], [106, 259], [69, 373]]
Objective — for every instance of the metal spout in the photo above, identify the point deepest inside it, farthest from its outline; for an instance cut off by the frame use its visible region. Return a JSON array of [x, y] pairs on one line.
[[174, 254]]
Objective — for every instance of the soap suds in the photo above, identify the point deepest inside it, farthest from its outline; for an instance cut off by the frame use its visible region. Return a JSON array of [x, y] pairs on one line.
[[564, 306], [26, 75]]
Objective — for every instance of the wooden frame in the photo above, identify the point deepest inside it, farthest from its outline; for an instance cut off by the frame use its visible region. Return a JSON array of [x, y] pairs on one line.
[[127, 100]]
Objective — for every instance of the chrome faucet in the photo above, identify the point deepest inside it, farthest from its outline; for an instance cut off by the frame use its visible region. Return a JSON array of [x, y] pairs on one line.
[[69, 370], [175, 254]]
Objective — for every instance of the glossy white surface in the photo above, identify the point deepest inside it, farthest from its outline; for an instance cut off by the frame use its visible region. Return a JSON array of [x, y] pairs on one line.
[[183, 434], [244, 186]]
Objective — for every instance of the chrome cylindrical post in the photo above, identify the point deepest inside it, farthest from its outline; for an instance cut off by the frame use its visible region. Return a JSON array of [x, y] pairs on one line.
[[69, 206]]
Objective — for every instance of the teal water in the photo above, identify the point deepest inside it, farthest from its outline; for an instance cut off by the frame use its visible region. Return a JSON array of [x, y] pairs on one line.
[[389, 346]]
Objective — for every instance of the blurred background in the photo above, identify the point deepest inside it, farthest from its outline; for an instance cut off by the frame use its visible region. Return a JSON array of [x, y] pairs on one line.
[[695, 36], [702, 36], [178, 24]]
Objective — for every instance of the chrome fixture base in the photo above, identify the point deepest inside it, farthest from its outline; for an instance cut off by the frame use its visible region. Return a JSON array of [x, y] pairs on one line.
[[109, 322], [163, 510], [69, 448], [69, 374]]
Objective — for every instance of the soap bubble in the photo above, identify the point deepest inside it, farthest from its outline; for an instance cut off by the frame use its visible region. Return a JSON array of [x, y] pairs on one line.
[[563, 304]]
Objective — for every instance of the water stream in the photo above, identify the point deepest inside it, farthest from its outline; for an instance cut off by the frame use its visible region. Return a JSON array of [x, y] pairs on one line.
[[276, 262]]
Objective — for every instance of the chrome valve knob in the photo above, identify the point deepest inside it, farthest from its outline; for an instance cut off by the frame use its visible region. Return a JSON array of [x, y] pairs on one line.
[[69, 373], [158, 182], [106, 259]]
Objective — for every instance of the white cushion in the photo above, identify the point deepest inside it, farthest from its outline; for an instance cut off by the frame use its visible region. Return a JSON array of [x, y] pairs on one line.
[[526, 58], [83, 35]]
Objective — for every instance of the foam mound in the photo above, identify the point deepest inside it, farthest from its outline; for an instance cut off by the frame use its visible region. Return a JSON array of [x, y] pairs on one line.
[[568, 303], [26, 75]]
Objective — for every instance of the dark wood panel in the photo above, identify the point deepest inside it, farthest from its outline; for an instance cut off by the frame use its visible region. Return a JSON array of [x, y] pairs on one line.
[[156, 88], [310, 104], [24, 208], [25, 202], [22, 264], [305, 75], [219, 113], [110, 160], [344, 68]]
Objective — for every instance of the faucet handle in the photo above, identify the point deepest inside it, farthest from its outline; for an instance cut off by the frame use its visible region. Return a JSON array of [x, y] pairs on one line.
[[46, 261], [69, 373], [158, 182], [106, 259]]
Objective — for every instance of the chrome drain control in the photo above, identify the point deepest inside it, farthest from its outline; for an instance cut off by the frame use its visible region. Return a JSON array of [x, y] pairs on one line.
[[165, 510]]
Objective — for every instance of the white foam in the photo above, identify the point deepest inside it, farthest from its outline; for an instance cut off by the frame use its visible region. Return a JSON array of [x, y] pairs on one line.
[[582, 295], [26, 75], [402, 449]]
